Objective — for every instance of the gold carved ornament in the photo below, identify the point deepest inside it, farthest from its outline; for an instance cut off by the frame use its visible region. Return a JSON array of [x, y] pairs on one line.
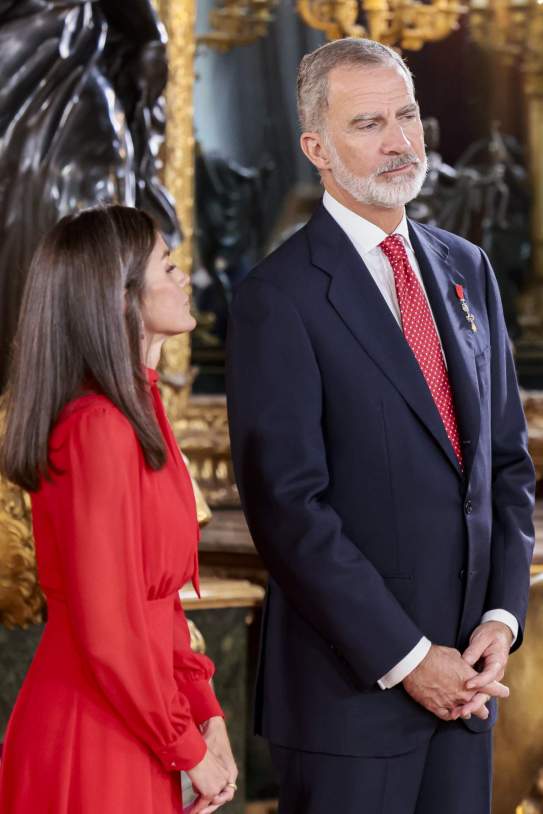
[[21, 601], [405, 23], [518, 748], [408, 24], [179, 20], [511, 28], [176, 374], [238, 22]]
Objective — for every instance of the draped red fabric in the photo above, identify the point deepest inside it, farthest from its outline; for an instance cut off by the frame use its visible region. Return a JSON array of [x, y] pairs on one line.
[[108, 712]]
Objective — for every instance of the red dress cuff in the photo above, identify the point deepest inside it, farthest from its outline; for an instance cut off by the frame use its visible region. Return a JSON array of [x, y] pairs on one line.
[[186, 752], [202, 700]]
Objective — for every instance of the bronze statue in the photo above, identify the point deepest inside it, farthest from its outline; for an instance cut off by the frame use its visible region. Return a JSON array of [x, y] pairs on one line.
[[81, 121], [230, 232]]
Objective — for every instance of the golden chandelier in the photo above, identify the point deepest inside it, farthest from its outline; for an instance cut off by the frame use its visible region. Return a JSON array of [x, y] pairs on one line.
[[407, 24]]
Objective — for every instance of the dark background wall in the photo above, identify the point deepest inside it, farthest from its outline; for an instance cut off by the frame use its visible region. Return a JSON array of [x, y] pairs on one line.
[[465, 88]]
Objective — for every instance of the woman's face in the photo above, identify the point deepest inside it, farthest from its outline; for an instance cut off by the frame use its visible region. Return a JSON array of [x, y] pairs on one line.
[[165, 307]]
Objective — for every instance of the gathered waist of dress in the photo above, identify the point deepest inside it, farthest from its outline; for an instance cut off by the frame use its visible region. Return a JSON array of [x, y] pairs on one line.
[[158, 616], [62, 637], [56, 595]]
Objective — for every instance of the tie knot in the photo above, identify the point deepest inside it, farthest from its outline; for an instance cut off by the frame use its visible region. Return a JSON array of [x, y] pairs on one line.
[[393, 248]]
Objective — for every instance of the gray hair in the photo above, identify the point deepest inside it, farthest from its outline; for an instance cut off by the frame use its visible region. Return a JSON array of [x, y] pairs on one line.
[[315, 69]]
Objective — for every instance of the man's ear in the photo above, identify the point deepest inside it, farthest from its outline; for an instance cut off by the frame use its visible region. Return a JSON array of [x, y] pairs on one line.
[[313, 148]]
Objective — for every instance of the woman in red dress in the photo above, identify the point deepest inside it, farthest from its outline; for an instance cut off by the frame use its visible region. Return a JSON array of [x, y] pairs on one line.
[[115, 703]]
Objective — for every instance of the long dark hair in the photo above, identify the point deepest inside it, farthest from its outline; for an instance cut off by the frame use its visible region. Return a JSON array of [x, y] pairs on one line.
[[80, 323]]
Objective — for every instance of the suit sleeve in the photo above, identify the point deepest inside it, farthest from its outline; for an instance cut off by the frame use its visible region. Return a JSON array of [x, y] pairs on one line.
[[101, 555], [193, 672], [274, 392], [513, 479]]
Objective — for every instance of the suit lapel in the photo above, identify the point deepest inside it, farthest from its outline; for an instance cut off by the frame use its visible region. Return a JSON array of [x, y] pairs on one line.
[[440, 278], [358, 301]]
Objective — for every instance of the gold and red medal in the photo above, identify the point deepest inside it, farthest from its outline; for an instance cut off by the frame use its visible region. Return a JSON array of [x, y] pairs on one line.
[[465, 307]]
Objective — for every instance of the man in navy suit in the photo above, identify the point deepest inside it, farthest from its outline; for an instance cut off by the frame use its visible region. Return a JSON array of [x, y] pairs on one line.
[[380, 450]]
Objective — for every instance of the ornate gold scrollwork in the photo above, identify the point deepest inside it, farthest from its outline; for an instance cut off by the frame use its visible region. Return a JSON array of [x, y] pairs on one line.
[[21, 601], [408, 24], [179, 19], [176, 375], [238, 22], [533, 408], [203, 433], [336, 19]]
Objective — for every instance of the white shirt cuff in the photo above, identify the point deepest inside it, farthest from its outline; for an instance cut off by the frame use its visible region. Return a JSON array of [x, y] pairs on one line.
[[500, 615], [406, 665]]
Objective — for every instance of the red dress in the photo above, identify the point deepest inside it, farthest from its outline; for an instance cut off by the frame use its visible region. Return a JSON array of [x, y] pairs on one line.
[[108, 712]]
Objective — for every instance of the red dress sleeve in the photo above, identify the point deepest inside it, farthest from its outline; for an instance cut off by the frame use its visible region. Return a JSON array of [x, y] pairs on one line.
[[100, 549], [193, 672]]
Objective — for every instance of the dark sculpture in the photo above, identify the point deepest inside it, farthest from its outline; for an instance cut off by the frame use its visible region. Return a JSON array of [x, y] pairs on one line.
[[81, 122], [230, 235]]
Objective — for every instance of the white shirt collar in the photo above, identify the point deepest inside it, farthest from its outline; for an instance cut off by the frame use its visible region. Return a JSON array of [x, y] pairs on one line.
[[365, 235]]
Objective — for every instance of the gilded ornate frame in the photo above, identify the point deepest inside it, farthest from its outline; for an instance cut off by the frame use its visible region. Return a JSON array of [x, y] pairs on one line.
[[179, 18], [200, 423]]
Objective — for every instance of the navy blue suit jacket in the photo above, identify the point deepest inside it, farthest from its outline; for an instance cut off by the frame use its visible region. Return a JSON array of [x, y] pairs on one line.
[[372, 534]]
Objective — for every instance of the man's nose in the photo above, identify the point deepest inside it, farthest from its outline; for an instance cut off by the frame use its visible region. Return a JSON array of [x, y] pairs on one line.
[[395, 140]]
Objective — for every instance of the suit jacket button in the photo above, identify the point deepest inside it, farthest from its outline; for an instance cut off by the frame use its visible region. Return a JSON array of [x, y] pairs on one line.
[[468, 506]]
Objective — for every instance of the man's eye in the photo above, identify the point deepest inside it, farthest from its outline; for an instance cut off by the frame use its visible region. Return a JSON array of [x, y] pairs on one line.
[[170, 268], [369, 126], [409, 116]]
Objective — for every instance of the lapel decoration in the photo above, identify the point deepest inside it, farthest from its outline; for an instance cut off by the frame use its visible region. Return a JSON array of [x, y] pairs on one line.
[[465, 307]]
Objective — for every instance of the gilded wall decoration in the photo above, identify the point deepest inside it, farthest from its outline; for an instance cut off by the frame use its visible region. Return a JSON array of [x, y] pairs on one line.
[[179, 19], [21, 601], [203, 431], [518, 748], [238, 22]]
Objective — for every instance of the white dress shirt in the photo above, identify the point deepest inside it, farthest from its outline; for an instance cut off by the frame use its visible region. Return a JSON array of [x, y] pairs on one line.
[[366, 237]]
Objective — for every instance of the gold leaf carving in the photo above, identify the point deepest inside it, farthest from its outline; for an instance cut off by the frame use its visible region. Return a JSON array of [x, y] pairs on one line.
[[21, 601]]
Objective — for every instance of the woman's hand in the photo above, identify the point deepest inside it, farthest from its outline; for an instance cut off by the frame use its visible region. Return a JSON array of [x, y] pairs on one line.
[[216, 738], [209, 778]]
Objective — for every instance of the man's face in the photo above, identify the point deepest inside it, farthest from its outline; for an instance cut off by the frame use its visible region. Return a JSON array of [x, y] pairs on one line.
[[373, 136]]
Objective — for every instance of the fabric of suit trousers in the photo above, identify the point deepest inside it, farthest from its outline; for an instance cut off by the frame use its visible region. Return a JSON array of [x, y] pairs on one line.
[[451, 774]]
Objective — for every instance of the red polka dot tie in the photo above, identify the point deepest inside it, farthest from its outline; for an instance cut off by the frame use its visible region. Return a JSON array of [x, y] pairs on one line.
[[420, 332]]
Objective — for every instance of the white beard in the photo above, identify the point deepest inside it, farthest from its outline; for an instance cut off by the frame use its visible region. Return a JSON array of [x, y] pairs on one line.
[[377, 189]]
